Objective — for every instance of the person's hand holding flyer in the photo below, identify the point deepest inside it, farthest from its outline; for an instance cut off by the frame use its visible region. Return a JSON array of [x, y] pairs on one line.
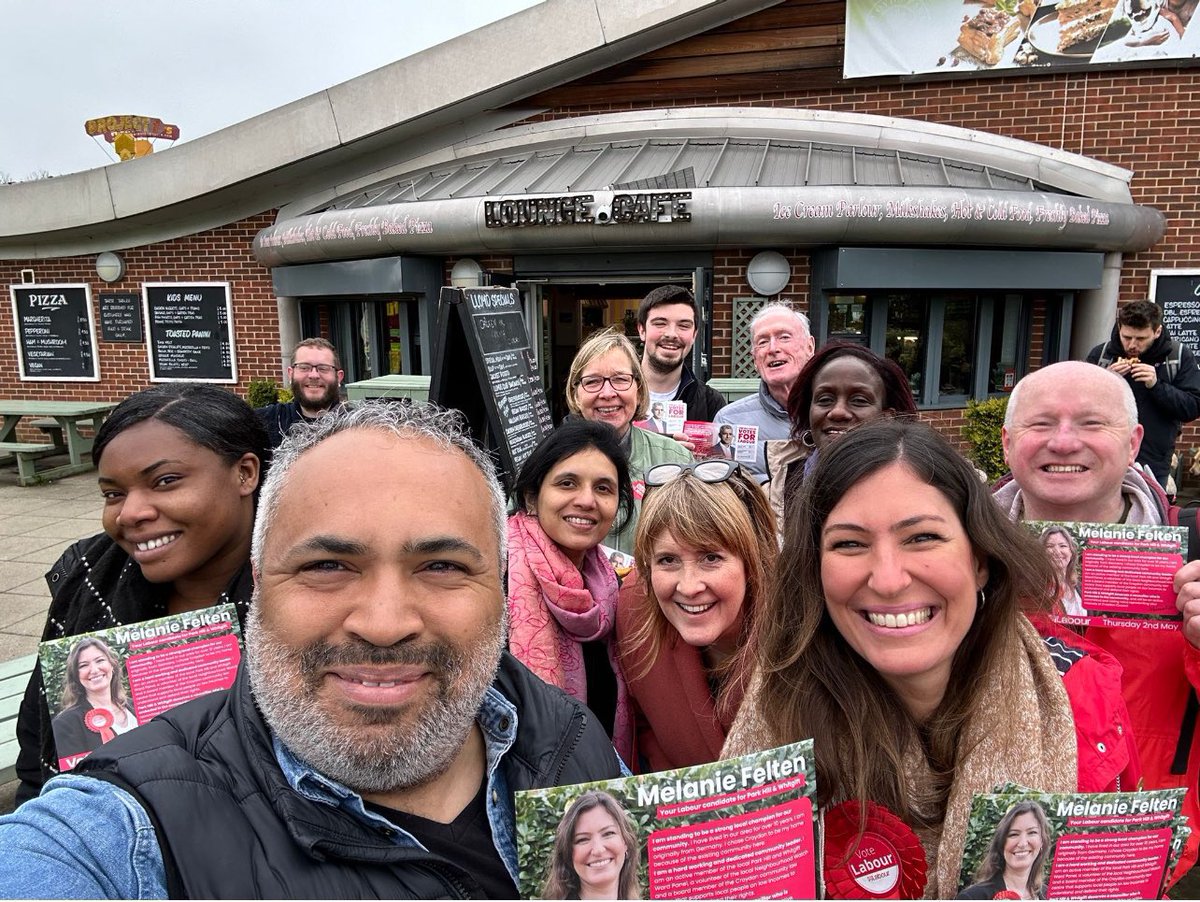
[[102, 684]]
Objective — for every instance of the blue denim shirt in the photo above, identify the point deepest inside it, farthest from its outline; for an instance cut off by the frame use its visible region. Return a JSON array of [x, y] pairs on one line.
[[88, 839]]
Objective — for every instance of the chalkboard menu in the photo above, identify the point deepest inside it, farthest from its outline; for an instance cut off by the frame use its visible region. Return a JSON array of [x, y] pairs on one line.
[[1177, 291], [55, 332], [190, 335], [120, 317], [484, 366]]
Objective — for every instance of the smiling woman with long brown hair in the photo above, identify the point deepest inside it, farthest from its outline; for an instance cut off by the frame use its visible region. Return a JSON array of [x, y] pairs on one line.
[[898, 635]]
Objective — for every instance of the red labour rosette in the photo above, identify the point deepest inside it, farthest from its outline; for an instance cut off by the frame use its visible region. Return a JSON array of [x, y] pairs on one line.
[[885, 862], [1007, 894], [100, 721]]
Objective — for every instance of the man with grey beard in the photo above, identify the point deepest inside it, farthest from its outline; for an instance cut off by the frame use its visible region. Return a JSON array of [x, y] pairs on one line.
[[377, 730]]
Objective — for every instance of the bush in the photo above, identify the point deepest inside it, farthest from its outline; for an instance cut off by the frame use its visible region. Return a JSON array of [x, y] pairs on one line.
[[982, 432], [261, 392]]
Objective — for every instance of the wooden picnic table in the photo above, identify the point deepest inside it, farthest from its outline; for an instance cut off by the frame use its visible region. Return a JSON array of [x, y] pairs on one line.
[[68, 415]]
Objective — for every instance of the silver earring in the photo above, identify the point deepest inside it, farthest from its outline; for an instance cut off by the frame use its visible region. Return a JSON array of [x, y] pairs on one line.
[[982, 597], [806, 439]]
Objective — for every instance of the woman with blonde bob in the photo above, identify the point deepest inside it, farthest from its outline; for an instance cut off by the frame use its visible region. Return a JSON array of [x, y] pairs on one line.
[[596, 852], [1015, 857], [606, 384], [705, 550], [896, 636]]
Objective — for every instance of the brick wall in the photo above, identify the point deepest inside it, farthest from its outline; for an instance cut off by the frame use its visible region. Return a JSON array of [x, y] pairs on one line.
[[217, 255]]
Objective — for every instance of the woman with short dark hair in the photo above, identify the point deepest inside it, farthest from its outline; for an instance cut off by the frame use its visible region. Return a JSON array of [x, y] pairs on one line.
[[562, 589]]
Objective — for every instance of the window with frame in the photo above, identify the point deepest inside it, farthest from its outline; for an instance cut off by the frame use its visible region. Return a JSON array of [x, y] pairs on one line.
[[952, 346]]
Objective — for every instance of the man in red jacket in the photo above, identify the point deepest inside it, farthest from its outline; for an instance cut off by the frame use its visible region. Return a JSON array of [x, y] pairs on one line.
[[1070, 437]]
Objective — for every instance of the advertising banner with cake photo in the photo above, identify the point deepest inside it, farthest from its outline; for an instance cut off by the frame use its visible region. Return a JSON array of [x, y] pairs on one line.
[[1115, 574], [101, 684], [1023, 844], [907, 37], [735, 829]]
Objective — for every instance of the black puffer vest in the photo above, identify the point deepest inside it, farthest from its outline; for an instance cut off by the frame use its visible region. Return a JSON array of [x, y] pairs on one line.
[[230, 826]]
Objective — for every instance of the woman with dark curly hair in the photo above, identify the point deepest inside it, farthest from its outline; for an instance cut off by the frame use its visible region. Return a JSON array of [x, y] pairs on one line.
[[595, 853], [843, 386]]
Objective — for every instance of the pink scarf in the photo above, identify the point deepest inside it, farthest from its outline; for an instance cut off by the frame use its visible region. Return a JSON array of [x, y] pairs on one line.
[[553, 606]]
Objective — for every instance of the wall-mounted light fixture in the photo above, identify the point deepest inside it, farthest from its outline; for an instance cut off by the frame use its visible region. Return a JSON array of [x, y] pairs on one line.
[[466, 274], [110, 267], [768, 273]]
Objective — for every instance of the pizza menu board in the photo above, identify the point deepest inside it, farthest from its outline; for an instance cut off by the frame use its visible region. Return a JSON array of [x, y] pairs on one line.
[[55, 332], [190, 332], [121, 317], [1178, 293]]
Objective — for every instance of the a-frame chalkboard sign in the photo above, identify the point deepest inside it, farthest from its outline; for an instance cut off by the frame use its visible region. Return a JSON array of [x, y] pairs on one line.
[[483, 365]]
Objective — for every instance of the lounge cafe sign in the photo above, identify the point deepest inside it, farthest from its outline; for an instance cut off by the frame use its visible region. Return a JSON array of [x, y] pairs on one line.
[[599, 208]]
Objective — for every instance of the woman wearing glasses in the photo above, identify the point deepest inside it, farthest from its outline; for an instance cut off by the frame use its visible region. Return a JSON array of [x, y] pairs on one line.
[[605, 384], [705, 550], [562, 591], [905, 633]]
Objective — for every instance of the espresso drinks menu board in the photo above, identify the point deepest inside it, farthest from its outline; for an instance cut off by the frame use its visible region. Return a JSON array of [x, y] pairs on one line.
[[484, 366], [56, 332], [190, 332], [1178, 293], [121, 317]]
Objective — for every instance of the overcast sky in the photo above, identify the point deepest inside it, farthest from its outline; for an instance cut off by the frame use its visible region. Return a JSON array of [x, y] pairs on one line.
[[197, 64]]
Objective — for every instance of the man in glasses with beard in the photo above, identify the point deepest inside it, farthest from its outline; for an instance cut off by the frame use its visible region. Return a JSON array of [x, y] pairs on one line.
[[375, 735], [316, 375]]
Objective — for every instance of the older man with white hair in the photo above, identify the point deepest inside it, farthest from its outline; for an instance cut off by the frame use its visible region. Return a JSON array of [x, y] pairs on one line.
[[781, 344], [1071, 436]]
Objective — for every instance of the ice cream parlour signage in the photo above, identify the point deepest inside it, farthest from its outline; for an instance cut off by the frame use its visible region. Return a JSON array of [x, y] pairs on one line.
[[598, 208]]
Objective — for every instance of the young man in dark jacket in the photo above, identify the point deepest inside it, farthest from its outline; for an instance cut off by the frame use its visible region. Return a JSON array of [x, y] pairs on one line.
[[667, 323], [377, 730], [1163, 375]]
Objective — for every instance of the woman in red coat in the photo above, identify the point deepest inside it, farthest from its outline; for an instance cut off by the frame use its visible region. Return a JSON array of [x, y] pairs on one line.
[[704, 550]]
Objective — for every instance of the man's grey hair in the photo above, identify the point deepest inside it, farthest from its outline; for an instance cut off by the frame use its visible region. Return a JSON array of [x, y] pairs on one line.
[[443, 428], [1127, 398], [778, 307]]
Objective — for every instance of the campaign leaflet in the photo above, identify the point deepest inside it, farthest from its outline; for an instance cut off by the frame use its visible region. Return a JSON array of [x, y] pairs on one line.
[[1115, 574], [102, 684], [735, 829], [666, 418], [1105, 845]]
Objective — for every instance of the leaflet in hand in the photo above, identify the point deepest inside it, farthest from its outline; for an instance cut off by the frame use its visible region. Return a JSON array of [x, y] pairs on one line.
[[1115, 574], [1108, 845], [735, 829], [731, 442], [102, 684], [666, 418]]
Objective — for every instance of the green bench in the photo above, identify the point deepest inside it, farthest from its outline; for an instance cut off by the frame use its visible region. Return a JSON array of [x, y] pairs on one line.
[[14, 677], [26, 453], [54, 431]]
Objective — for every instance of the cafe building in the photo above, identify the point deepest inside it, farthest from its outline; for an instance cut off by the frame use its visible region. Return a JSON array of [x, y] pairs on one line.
[[970, 226]]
